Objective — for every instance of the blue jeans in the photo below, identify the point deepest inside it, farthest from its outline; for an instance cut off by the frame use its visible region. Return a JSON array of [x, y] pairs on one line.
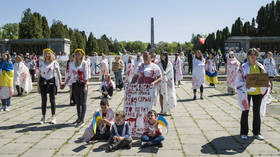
[[6, 102], [118, 77], [154, 140]]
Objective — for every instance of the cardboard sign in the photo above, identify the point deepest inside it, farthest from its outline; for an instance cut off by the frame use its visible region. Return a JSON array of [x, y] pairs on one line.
[[257, 80], [138, 101]]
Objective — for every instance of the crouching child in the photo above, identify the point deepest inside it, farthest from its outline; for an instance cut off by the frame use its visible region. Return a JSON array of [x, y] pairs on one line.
[[120, 134], [104, 124]]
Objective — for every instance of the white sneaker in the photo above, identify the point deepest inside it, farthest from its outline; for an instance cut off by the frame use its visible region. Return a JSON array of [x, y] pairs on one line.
[[259, 137], [42, 121], [244, 137], [2, 109], [7, 109], [108, 96], [53, 121]]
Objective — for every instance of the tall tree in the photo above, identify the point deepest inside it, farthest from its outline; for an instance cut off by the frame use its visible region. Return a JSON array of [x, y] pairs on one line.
[[26, 25], [45, 28], [57, 29], [37, 26]]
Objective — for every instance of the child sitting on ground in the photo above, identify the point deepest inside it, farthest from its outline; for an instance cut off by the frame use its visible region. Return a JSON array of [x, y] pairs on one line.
[[103, 131], [107, 87], [120, 134], [152, 135]]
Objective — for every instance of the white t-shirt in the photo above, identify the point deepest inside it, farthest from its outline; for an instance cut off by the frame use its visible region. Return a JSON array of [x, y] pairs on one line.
[[78, 72], [47, 71]]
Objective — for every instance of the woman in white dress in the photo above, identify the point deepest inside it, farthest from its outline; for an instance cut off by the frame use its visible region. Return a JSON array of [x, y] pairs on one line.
[[198, 73], [166, 87], [22, 78], [270, 67]]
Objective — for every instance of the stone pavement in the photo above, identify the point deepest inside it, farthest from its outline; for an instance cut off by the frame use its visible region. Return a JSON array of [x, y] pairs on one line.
[[208, 127]]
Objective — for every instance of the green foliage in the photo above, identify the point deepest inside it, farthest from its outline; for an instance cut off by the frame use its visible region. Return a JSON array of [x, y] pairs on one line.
[[26, 25], [45, 28], [9, 31]]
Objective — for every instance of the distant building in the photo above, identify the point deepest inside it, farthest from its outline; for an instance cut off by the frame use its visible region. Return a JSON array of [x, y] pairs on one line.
[[24, 46], [264, 43]]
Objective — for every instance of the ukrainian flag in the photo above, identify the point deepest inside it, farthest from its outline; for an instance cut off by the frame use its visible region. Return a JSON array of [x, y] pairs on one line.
[[162, 121], [7, 74], [96, 118]]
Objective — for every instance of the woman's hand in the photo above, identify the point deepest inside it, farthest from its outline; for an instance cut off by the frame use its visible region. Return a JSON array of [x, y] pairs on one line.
[[85, 89]]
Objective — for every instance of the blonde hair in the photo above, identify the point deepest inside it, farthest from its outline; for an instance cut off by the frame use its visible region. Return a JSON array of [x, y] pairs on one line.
[[19, 57], [52, 57], [198, 52], [120, 113], [76, 61]]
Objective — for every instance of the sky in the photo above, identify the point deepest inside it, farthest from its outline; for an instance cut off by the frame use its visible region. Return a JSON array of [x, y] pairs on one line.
[[129, 20]]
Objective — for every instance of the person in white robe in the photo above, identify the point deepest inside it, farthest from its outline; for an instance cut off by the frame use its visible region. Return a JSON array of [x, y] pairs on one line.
[[245, 94], [270, 68], [232, 69], [104, 67], [198, 73], [22, 78], [138, 61], [167, 90], [129, 70], [177, 67]]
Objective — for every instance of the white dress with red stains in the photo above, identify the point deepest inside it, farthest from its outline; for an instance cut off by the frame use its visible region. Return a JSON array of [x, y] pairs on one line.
[[178, 67], [167, 88], [198, 74], [240, 84], [129, 72], [232, 69], [270, 67], [22, 77], [78, 72], [104, 67], [47, 71]]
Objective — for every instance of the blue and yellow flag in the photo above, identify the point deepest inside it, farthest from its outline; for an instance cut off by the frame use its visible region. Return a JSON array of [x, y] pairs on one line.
[[7, 74], [162, 121], [219, 52], [96, 118]]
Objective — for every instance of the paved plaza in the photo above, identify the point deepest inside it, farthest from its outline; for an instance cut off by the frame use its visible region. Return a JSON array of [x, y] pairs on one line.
[[208, 127]]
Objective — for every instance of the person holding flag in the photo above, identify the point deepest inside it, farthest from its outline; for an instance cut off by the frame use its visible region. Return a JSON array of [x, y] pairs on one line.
[[6, 81], [101, 124]]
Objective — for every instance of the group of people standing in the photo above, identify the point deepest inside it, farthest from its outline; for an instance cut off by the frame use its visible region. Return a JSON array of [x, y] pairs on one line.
[[146, 68]]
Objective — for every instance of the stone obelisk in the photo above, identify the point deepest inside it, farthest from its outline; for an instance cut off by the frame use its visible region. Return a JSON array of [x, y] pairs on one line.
[[152, 35]]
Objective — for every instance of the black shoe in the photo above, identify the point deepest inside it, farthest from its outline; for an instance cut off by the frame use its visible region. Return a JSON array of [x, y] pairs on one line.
[[80, 124], [194, 97], [77, 121], [159, 145], [128, 146]]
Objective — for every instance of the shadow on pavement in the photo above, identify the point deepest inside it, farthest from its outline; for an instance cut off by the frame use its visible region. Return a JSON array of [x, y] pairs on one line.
[[100, 148], [17, 126], [184, 100], [224, 94], [226, 145], [56, 106], [45, 127]]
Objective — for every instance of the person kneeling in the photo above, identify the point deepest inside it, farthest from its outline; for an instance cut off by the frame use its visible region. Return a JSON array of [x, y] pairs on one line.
[[104, 125], [120, 134], [153, 134]]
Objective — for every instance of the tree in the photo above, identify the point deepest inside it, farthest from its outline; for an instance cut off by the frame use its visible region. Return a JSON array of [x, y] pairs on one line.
[[237, 28], [26, 25], [45, 28], [102, 47], [253, 30], [37, 26], [57, 29], [91, 45], [10, 31], [247, 28]]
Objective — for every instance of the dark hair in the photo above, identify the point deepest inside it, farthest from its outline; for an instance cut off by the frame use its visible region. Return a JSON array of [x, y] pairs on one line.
[[253, 51], [153, 112], [104, 101]]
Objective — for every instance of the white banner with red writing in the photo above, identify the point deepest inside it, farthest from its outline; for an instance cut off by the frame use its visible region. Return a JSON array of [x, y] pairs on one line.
[[139, 100]]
